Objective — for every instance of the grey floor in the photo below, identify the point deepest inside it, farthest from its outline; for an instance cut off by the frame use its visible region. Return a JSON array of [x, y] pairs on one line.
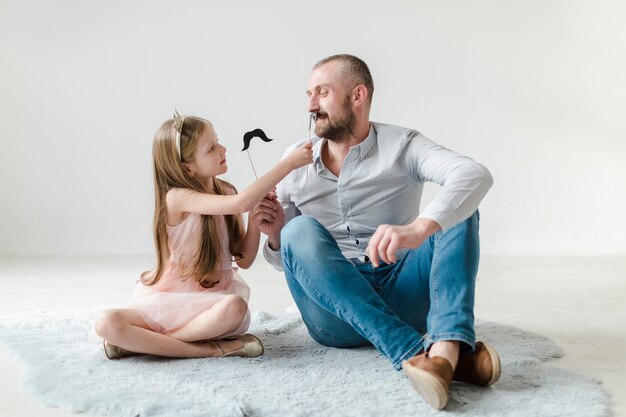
[[580, 303]]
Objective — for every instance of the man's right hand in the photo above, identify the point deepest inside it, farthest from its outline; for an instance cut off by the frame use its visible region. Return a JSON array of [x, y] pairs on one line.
[[269, 217]]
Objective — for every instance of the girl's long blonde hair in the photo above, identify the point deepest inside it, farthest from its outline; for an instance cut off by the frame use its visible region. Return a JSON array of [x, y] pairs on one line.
[[169, 173]]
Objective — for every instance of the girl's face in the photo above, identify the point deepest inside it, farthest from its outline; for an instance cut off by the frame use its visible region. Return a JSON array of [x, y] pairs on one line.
[[209, 159]]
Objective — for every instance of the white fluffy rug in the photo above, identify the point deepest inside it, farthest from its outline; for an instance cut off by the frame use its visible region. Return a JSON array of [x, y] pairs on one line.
[[295, 377]]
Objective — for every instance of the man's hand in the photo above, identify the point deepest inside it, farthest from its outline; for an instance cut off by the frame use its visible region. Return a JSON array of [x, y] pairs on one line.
[[269, 217], [389, 238]]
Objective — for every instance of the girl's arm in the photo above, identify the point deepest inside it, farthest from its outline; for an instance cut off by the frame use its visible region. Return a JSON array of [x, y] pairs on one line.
[[250, 243], [181, 200]]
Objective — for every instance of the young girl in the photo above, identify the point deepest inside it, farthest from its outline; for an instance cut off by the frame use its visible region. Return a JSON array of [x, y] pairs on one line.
[[194, 304]]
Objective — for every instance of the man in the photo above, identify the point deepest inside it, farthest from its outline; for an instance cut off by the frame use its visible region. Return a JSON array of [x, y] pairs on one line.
[[362, 266]]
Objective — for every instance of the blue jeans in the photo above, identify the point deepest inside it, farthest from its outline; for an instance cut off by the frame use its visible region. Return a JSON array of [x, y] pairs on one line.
[[401, 309]]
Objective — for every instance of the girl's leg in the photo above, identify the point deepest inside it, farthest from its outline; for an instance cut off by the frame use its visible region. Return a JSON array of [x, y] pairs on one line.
[[223, 318], [127, 329]]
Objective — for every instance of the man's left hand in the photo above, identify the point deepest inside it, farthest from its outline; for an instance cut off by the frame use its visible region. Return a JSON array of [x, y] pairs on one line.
[[389, 238]]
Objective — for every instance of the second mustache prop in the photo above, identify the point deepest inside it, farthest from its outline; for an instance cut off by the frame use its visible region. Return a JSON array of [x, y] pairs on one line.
[[247, 137]]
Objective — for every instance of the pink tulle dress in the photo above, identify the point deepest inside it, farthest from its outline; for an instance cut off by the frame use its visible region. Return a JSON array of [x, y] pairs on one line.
[[174, 300]]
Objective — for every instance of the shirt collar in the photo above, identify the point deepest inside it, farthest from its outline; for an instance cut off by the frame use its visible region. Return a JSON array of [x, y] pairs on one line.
[[363, 148], [366, 145]]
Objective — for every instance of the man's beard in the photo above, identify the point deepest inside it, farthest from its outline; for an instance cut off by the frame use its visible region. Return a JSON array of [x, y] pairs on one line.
[[339, 129]]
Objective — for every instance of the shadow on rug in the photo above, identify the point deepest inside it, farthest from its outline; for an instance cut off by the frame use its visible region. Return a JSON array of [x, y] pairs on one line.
[[295, 377]]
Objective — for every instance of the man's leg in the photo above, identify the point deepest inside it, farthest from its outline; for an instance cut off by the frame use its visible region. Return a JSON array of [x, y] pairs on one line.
[[449, 260], [331, 292], [324, 327], [445, 267]]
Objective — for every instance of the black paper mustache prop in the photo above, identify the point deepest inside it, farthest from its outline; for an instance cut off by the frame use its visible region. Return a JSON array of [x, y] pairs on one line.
[[247, 137], [256, 133]]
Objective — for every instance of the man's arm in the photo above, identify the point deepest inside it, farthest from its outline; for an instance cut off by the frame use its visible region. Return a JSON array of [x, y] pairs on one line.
[[464, 182]]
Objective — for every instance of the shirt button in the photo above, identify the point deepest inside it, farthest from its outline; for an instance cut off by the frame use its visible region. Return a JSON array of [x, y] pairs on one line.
[[357, 241], [348, 227], [366, 259]]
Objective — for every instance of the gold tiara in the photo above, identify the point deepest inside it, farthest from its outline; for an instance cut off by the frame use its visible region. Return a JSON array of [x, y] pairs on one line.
[[178, 127]]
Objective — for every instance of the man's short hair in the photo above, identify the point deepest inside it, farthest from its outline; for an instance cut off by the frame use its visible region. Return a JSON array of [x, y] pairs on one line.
[[354, 70]]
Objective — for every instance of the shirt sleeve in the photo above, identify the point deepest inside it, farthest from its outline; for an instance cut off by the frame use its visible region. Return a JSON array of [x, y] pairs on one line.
[[464, 182], [272, 256]]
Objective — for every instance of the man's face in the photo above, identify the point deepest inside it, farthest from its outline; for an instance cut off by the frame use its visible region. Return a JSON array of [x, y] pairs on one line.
[[329, 98]]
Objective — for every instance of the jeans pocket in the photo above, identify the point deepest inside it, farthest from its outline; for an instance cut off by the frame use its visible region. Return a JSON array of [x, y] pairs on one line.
[[388, 280]]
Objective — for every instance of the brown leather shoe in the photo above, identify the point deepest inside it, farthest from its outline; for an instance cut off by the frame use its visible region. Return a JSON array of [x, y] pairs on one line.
[[431, 377], [481, 367]]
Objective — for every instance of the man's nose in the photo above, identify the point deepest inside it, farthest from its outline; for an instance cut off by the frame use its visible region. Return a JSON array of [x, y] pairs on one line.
[[314, 105]]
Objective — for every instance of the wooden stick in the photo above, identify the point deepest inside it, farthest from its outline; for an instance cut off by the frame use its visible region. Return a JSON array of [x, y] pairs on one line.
[[312, 116], [253, 170]]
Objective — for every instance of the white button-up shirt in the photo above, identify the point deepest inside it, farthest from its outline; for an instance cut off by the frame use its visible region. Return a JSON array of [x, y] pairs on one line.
[[381, 182]]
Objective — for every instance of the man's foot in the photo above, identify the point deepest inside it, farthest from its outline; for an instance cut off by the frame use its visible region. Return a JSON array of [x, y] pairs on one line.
[[481, 367], [431, 377]]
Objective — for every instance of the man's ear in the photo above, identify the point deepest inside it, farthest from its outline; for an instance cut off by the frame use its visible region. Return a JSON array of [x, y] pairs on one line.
[[359, 95]]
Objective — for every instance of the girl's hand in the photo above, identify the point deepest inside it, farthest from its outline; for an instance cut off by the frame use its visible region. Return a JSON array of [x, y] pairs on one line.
[[300, 156]]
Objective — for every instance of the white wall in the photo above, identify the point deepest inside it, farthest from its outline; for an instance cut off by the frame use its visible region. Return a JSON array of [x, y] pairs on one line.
[[533, 89]]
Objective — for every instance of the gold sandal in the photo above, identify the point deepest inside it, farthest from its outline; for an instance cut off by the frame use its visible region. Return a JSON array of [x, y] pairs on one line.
[[115, 352], [252, 346]]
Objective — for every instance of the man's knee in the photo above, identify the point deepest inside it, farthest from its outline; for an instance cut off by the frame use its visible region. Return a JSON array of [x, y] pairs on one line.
[[300, 235], [472, 221], [468, 228], [297, 226]]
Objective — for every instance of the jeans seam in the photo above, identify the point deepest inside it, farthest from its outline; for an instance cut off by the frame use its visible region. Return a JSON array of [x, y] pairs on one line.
[[434, 273]]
